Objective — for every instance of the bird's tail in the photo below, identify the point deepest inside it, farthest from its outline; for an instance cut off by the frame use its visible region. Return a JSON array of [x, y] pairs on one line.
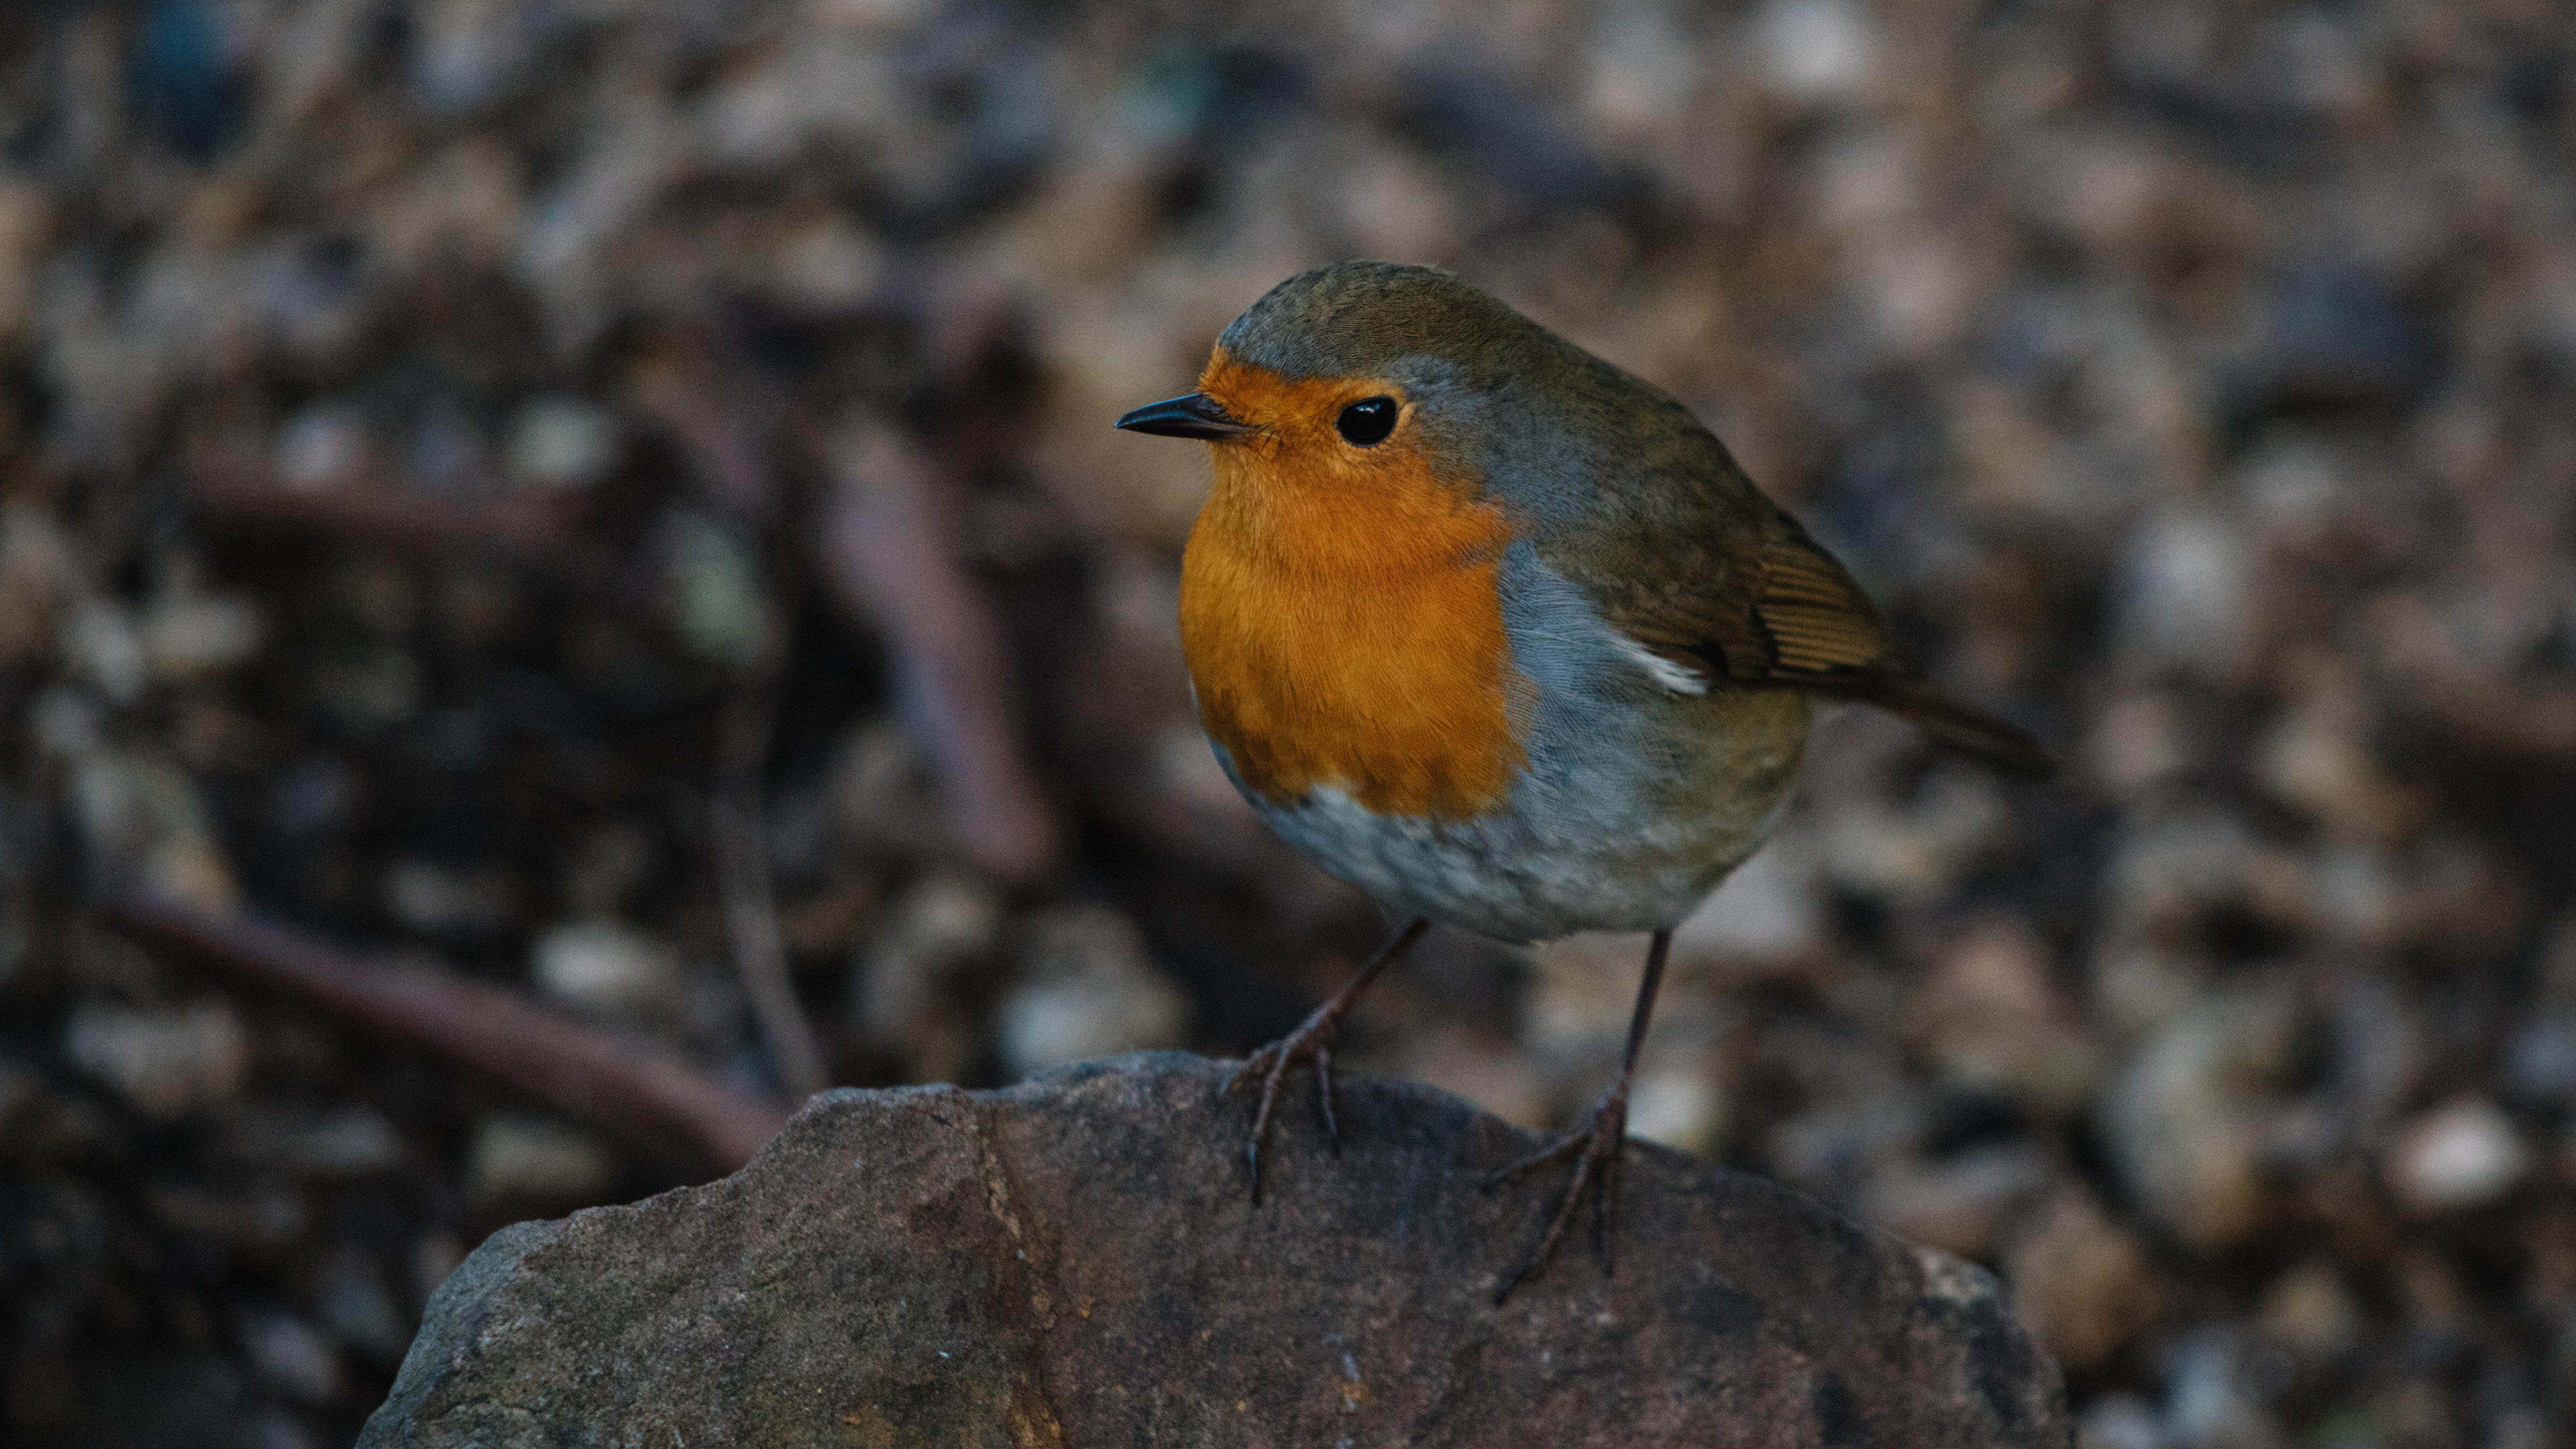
[[1948, 722]]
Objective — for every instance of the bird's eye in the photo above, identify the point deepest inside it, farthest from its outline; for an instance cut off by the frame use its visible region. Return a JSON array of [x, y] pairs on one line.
[[1365, 424]]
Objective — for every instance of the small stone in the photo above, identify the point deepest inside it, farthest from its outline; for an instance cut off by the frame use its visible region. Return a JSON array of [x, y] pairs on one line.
[[2180, 1124], [2314, 761], [1089, 990], [1995, 1020], [560, 443], [1835, 1149], [2339, 335], [1959, 1205], [290, 1355], [2456, 1156], [525, 1163], [605, 868], [140, 812], [828, 266], [2119, 1421], [880, 790], [713, 592], [450, 900], [2170, 866], [65, 723], [2310, 1312], [167, 1063], [345, 1143], [1677, 1105], [187, 635], [610, 969], [101, 638], [2137, 743], [314, 797], [2540, 1064], [324, 446], [1769, 909], [360, 1312], [1816, 49], [2206, 1398], [904, 992], [2182, 596]]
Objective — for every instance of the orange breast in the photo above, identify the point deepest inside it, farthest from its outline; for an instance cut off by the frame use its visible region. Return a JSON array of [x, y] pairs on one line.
[[1338, 608]]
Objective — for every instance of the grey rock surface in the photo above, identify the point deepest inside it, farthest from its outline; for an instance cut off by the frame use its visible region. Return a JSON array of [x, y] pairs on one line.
[[1074, 1261]]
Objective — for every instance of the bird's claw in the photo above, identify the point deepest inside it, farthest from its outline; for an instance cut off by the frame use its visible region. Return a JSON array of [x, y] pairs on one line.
[[1313, 1041], [1597, 1148]]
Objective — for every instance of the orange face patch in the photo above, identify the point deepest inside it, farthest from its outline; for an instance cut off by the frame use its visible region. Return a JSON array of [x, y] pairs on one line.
[[1339, 611]]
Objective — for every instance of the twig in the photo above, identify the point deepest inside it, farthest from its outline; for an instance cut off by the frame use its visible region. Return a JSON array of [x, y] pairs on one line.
[[750, 905], [721, 408], [541, 534], [617, 1082], [885, 552]]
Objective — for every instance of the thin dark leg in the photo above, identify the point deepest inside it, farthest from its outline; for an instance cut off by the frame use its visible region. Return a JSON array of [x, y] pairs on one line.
[[1597, 1146], [1313, 1039]]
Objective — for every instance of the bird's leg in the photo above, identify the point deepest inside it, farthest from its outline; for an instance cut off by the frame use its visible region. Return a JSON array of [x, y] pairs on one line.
[[1313, 1038], [1596, 1146]]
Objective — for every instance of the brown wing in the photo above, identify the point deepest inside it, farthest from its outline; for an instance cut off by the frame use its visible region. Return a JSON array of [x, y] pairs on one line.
[[1680, 552], [1824, 634], [1791, 615], [1814, 622]]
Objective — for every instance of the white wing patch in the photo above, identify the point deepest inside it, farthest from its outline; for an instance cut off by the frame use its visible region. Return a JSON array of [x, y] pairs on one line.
[[1679, 678]]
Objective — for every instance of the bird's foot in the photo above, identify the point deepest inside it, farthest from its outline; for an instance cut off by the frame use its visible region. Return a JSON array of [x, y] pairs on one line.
[[1311, 1041], [1596, 1148]]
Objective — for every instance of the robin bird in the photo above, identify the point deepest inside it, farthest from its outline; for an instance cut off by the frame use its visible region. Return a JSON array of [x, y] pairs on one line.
[[1502, 635]]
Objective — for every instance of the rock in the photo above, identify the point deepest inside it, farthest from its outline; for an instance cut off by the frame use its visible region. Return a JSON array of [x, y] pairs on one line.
[[100, 636], [349, 1142], [2540, 1063], [1091, 991], [2119, 1421], [1816, 49], [1768, 909], [140, 812], [1957, 1205], [1074, 1262], [290, 1355], [2456, 1156], [527, 1162], [2207, 1398], [167, 1063], [358, 1308], [186, 634], [324, 446], [2310, 1312], [2080, 1281], [452, 901], [2183, 597], [2182, 1121], [608, 968], [559, 443], [905, 989]]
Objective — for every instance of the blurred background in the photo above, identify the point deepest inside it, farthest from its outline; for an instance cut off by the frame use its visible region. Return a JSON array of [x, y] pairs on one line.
[[615, 503]]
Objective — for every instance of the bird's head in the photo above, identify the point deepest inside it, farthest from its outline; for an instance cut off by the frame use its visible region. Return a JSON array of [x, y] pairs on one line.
[[1355, 371]]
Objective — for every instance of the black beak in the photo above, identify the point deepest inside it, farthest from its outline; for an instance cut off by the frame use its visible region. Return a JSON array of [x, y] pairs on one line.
[[1195, 415]]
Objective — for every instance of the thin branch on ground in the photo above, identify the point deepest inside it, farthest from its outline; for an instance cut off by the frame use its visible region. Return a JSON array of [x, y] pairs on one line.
[[614, 1081], [750, 903], [886, 554], [543, 534]]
